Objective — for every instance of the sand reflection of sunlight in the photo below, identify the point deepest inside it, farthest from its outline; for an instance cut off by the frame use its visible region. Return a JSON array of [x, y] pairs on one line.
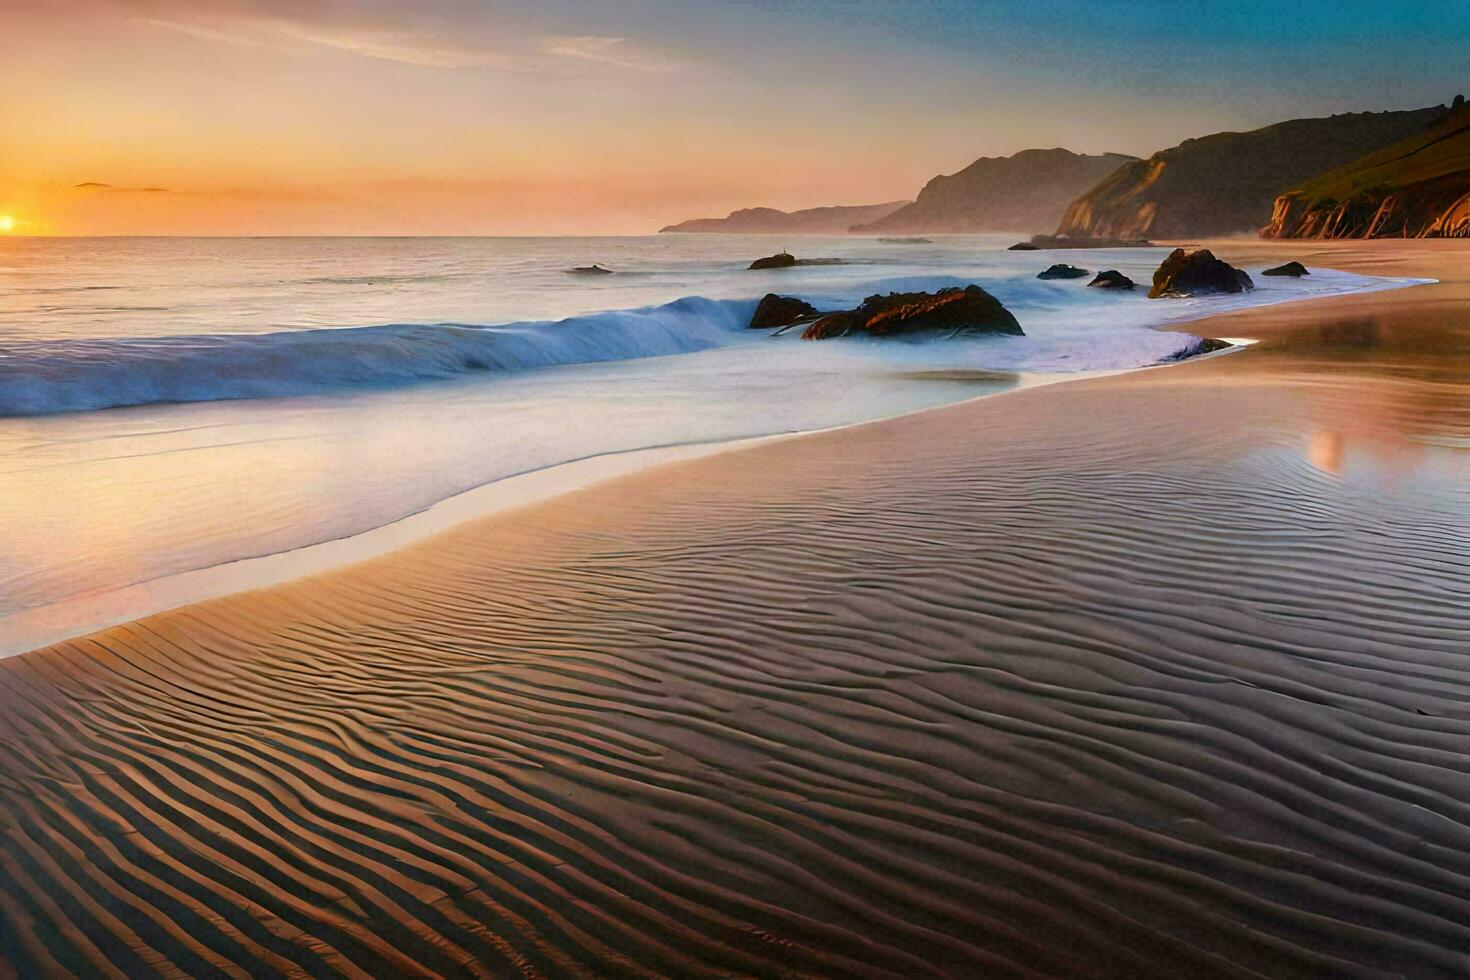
[[1324, 451]]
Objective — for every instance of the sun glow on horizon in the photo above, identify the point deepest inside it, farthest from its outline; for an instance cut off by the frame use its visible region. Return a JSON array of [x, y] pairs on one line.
[[7, 223]]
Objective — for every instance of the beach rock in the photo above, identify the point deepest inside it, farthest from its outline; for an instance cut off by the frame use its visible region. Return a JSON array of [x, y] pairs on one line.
[[967, 310], [971, 308], [1023, 247], [590, 270], [1294, 269], [1112, 279], [1196, 274], [781, 260], [780, 311], [1062, 271]]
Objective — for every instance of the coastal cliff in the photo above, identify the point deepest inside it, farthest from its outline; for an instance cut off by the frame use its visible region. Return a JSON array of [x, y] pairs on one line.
[[1226, 183], [809, 221], [1416, 188], [1024, 192]]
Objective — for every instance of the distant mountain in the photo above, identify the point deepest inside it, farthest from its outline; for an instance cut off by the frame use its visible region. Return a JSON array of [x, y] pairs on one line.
[[811, 221], [1225, 184], [1416, 188], [1026, 192]]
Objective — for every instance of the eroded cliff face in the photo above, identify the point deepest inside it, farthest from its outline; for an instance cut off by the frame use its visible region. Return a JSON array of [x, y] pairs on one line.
[[1430, 209], [1416, 188], [1226, 183]]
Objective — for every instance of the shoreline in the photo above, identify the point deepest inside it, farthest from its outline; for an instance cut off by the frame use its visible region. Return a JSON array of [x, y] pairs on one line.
[[493, 499], [1159, 673], [35, 628]]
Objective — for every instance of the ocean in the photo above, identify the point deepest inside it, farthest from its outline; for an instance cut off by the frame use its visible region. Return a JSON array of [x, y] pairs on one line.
[[174, 405]]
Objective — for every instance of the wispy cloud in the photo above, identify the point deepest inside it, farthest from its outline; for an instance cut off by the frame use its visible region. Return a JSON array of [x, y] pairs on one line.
[[201, 32], [267, 26], [403, 48], [98, 187], [618, 52]]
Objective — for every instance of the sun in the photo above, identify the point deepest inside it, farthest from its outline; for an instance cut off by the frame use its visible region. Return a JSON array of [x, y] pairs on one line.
[[7, 223]]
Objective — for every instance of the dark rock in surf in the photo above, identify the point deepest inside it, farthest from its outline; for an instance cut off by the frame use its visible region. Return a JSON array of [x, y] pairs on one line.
[[781, 260], [1294, 269], [1197, 274], [1062, 271], [1023, 247], [1112, 279], [1205, 345], [780, 311], [968, 310], [590, 270]]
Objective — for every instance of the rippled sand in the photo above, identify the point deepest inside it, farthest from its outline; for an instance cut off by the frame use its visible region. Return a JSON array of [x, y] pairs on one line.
[[1165, 674]]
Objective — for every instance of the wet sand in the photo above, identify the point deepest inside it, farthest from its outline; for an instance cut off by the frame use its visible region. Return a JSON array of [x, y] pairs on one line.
[[1159, 674]]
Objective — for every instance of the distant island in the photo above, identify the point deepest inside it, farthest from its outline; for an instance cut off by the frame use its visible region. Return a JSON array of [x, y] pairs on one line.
[[1024, 192], [810, 221]]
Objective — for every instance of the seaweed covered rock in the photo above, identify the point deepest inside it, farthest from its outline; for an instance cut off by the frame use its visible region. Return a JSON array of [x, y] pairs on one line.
[[1293, 269], [1111, 279], [1197, 274], [780, 311], [955, 310], [1063, 271]]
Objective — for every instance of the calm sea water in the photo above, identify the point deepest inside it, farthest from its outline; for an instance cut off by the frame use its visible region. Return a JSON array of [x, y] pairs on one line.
[[168, 405]]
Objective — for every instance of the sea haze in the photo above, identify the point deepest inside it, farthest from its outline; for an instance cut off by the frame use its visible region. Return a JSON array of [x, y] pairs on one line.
[[170, 405]]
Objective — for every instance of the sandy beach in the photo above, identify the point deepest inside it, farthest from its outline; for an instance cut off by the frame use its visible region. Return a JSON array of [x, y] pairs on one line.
[[1158, 674]]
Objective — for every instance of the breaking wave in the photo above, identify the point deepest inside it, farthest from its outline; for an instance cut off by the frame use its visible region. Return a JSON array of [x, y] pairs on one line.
[[70, 376]]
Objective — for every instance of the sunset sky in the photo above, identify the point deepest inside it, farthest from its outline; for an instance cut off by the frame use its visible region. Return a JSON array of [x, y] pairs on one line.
[[458, 117]]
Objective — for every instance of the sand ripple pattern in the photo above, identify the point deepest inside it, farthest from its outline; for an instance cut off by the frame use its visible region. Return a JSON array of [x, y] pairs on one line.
[[1119, 701]]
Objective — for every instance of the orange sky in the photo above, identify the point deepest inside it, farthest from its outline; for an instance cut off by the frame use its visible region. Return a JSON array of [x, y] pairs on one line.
[[465, 117]]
